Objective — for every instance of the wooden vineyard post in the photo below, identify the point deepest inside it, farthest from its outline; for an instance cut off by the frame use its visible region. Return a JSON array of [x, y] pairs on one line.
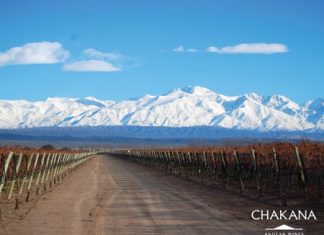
[[51, 173], [148, 159], [198, 166], [276, 165], [173, 163], [184, 162], [58, 165], [15, 176], [3, 178], [239, 171], [61, 167], [6, 165], [282, 191], [169, 161], [161, 162], [72, 160], [183, 159], [59, 160], [205, 158], [137, 157], [66, 168], [55, 163], [160, 159], [73, 157], [256, 172], [55, 167], [155, 161], [31, 177], [302, 171], [26, 173], [194, 165], [214, 172], [225, 167], [205, 169], [140, 159], [78, 160], [179, 161], [45, 171], [40, 171], [165, 162], [191, 165], [66, 164], [49, 169]]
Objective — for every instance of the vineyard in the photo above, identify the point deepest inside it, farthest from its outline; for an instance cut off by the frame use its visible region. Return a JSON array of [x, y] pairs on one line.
[[280, 173], [26, 172]]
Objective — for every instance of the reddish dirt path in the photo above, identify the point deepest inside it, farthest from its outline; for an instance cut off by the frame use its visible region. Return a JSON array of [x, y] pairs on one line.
[[113, 196]]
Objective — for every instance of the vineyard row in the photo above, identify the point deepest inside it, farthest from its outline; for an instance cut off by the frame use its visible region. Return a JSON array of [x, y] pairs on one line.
[[21, 174], [272, 177]]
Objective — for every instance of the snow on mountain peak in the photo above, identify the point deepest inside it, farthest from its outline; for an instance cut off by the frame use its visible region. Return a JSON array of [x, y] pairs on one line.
[[197, 90], [254, 96], [183, 107], [282, 103], [191, 90], [92, 98], [277, 100], [91, 101]]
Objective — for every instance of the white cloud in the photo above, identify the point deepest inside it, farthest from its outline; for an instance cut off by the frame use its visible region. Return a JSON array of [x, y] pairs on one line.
[[91, 66], [95, 54], [192, 50], [179, 49], [35, 53], [182, 49], [250, 48]]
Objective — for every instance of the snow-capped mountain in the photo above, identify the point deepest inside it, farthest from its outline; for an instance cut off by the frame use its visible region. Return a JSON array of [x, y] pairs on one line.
[[184, 107]]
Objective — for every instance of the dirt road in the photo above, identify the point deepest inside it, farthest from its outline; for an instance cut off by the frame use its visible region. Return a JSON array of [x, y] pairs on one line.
[[109, 195]]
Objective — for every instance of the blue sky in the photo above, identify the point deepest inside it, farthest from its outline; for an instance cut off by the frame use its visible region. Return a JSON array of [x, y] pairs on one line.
[[122, 49]]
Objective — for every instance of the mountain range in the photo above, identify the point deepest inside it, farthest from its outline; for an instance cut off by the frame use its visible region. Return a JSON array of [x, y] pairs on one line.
[[184, 107]]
